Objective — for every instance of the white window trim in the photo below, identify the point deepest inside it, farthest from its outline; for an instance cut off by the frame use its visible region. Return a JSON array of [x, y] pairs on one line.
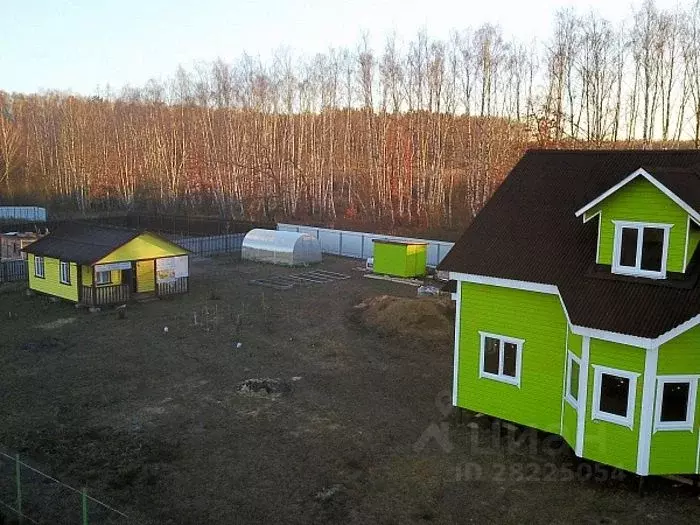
[[571, 357], [692, 380], [39, 264], [636, 270], [98, 282], [597, 413], [518, 358], [61, 266]]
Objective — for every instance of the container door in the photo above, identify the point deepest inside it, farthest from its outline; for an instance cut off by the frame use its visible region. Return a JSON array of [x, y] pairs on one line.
[[145, 276]]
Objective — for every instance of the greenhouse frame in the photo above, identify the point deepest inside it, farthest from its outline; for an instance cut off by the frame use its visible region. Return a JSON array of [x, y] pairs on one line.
[[281, 247]]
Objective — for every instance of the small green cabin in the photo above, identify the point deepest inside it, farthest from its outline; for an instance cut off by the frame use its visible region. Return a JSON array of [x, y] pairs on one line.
[[400, 258]]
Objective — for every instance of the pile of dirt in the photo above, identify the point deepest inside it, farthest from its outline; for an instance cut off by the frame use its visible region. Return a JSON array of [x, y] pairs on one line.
[[423, 318]]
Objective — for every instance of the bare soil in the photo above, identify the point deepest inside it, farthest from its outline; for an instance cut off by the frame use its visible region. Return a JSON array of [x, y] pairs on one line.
[[429, 320], [278, 407]]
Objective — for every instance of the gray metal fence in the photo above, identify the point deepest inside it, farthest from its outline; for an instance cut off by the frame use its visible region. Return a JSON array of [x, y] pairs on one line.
[[213, 244], [15, 270], [23, 213], [359, 245]]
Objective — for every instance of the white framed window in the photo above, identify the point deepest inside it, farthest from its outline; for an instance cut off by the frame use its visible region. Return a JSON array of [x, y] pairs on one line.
[[641, 249], [501, 358], [573, 372], [614, 395], [675, 402], [64, 273], [39, 267], [102, 278]]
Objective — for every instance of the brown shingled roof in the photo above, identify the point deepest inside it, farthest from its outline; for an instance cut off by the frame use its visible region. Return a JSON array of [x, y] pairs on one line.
[[82, 243], [528, 231], [685, 183]]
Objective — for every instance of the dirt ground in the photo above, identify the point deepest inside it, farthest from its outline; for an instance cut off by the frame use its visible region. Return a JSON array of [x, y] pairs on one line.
[[276, 406]]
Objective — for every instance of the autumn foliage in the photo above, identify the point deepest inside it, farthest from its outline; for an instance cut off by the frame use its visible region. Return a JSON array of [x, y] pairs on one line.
[[417, 134], [353, 165]]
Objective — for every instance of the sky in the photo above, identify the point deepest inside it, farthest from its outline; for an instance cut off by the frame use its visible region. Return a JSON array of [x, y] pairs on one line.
[[80, 45]]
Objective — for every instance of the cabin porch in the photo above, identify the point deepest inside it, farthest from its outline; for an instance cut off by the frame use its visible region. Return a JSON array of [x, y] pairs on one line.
[[118, 283]]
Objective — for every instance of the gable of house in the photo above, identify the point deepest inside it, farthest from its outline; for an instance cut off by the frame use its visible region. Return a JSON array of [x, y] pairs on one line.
[[528, 233], [144, 247], [643, 203]]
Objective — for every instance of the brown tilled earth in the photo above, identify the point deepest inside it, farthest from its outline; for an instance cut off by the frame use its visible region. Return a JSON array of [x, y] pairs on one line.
[[327, 403]]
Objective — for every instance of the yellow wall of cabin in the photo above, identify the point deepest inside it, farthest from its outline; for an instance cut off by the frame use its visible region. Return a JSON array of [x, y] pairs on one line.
[[51, 283], [145, 246]]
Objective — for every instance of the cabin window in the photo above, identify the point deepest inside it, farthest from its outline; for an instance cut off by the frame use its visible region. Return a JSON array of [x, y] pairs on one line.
[[501, 358], [614, 394], [573, 371], [675, 402], [641, 249], [39, 267], [65, 273], [102, 278]]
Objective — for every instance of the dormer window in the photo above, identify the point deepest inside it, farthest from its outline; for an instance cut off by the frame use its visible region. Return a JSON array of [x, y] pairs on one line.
[[641, 249], [645, 229]]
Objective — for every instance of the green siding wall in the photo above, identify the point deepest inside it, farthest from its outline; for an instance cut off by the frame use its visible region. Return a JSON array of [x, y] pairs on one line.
[[51, 284], [570, 414], [569, 425], [641, 201], [539, 320], [693, 241], [675, 452], [605, 442], [575, 343], [400, 260], [536, 318]]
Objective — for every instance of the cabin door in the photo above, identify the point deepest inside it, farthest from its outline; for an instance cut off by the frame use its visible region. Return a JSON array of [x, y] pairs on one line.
[[145, 276]]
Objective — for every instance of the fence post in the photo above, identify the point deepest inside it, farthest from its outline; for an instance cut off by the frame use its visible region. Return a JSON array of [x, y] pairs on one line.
[[18, 468], [85, 506]]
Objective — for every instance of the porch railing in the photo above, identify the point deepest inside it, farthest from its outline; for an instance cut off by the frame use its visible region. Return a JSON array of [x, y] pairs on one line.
[[105, 295], [173, 287]]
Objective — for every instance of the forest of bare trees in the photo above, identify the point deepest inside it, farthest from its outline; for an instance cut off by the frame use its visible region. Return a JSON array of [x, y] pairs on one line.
[[416, 133]]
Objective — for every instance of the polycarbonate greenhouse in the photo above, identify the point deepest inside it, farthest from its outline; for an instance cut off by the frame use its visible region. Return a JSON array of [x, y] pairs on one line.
[[280, 247]]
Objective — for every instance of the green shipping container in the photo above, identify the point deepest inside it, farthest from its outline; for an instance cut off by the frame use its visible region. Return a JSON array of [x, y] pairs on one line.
[[400, 258]]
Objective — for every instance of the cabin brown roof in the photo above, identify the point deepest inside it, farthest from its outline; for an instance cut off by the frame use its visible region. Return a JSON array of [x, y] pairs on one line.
[[528, 231], [81, 243], [685, 183], [400, 243]]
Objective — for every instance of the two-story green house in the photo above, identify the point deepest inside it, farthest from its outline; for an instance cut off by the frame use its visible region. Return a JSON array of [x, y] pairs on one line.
[[578, 305]]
